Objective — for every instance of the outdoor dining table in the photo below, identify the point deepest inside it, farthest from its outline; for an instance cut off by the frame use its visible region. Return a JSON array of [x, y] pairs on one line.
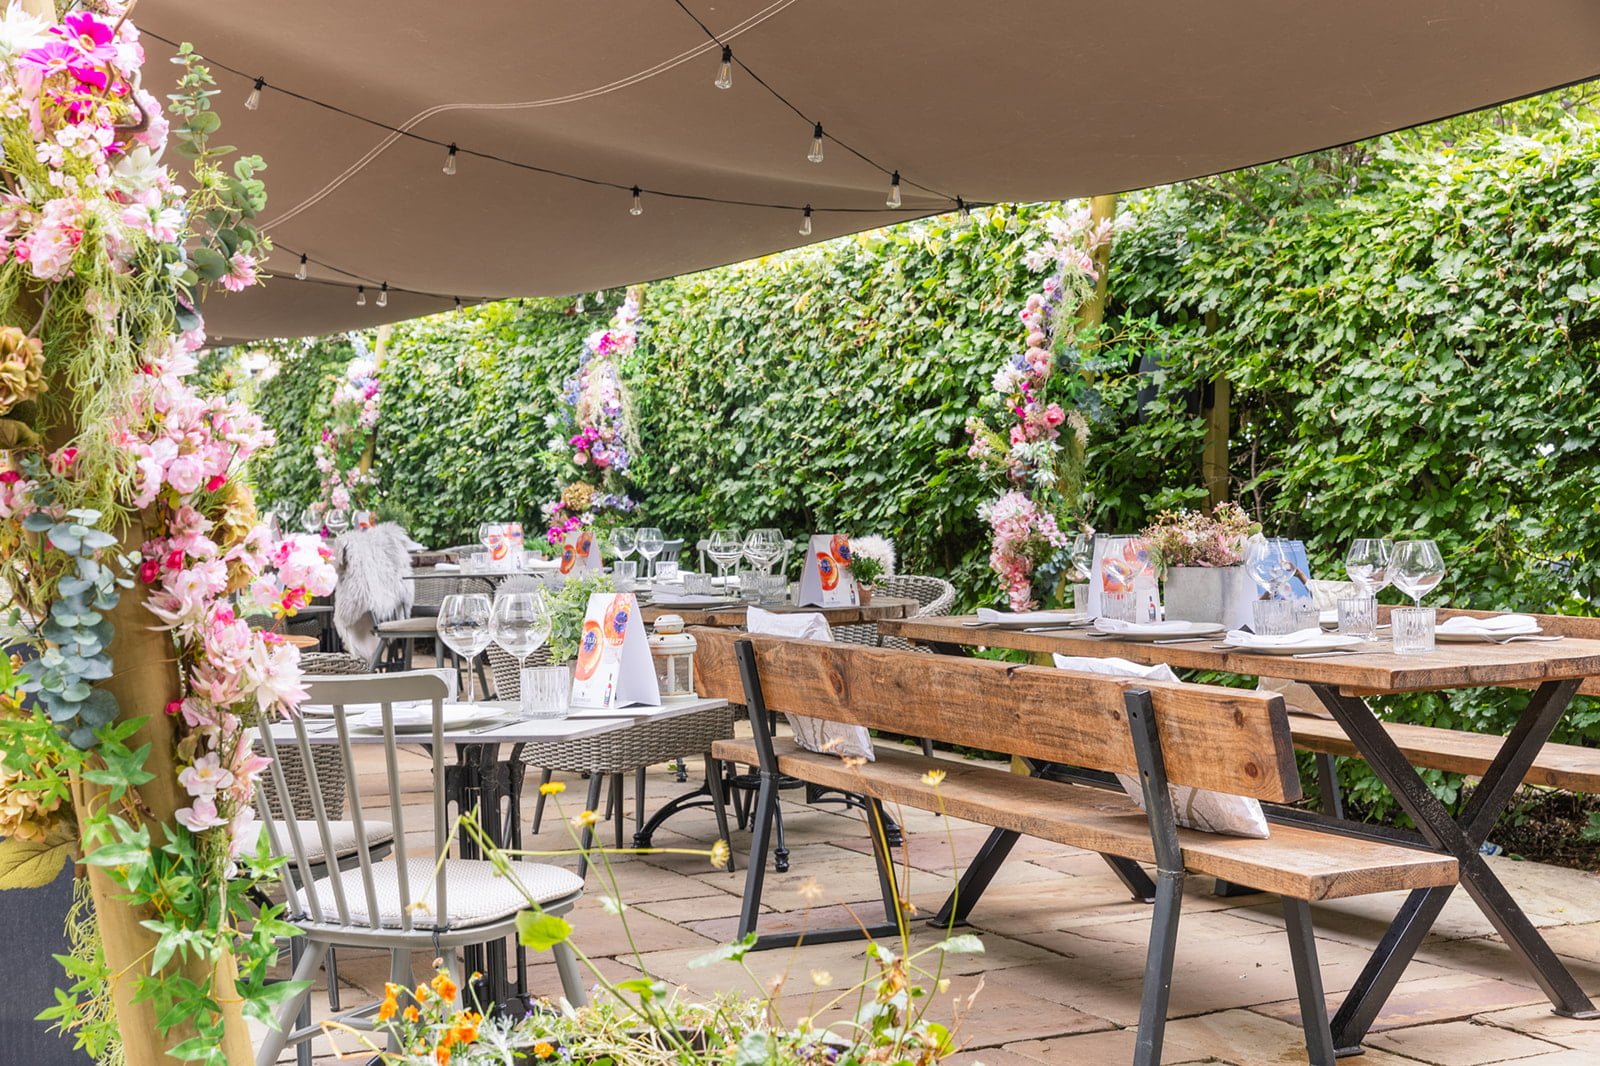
[[1555, 669], [487, 775], [733, 615]]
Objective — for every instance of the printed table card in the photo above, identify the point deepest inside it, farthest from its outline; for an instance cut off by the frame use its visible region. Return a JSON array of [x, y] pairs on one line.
[[580, 553], [614, 666], [827, 580]]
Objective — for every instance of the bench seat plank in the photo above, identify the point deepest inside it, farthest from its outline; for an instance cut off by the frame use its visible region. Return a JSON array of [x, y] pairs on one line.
[[1564, 766], [1296, 862]]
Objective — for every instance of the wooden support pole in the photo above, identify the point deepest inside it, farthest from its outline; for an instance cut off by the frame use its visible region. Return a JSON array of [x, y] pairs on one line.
[[1218, 422], [1093, 312]]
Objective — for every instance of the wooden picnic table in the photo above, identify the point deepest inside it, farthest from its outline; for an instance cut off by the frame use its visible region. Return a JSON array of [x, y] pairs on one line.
[[1556, 669], [881, 609]]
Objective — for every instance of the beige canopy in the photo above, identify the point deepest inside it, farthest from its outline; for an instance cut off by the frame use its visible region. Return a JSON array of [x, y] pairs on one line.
[[986, 100]]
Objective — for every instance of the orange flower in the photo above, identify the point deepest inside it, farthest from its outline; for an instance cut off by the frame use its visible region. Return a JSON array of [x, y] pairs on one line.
[[543, 1050], [387, 1009], [422, 993], [441, 1055], [465, 1028], [444, 986], [413, 1015]]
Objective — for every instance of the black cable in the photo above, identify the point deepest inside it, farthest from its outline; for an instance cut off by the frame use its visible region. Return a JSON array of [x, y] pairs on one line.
[[910, 212], [809, 120]]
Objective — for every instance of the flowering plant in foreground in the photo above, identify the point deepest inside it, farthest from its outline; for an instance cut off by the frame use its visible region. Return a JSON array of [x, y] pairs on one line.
[[593, 461], [1028, 441], [117, 476], [1194, 538], [640, 1022]]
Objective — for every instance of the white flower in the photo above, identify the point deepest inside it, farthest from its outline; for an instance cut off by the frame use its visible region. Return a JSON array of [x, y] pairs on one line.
[[19, 31]]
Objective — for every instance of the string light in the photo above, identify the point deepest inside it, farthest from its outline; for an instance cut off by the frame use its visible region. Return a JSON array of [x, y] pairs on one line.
[[815, 155], [253, 101], [962, 210], [361, 296], [300, 274], [638, 204], [579, 308], [805, 222], [450, 160], [894, 191], [725, 71], [383, 295], [458, 303]]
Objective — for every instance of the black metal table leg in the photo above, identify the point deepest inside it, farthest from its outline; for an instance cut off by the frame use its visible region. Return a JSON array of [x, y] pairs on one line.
[[1460, 840]]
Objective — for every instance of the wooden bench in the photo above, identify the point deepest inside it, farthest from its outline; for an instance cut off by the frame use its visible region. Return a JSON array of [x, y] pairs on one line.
[[1228, 740], [1571, 767]]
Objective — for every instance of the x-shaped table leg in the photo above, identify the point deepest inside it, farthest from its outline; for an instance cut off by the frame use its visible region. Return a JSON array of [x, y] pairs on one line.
[[1461, 840]]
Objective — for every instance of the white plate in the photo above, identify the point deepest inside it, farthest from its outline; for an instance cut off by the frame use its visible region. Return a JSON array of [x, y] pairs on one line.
[[1167, 632], [1042, 618], [1329, 642], [1446, 637], [419, 718], [699, 602]]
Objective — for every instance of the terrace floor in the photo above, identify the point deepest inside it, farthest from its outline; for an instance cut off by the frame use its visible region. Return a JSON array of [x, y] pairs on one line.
[[1060, 976]]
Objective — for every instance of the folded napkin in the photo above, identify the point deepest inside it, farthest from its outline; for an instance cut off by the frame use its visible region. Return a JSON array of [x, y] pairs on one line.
[[1496, 625], [986, 614], [447, 566], [1242, 639], [1113, 625]]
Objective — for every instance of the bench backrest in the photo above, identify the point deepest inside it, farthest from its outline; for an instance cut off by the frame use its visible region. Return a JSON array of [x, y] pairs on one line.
[[1229, 740]]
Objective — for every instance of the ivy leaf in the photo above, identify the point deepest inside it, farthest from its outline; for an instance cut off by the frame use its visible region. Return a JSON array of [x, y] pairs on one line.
[[30, 864]]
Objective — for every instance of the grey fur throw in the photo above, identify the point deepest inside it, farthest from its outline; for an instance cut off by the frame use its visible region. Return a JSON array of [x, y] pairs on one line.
[[374, 584]]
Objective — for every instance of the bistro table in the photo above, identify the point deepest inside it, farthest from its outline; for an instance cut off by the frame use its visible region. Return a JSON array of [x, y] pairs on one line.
[[487, 777], [882, 608], [1556, 668]]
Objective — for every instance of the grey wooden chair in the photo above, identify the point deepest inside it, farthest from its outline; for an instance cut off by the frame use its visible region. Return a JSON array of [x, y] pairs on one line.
[[406, 901]]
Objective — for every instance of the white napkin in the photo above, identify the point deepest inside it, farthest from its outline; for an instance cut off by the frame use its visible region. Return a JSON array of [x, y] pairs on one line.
[[1499, 625], [447, 566], [1113, 625], [1240, 638], [986, 614]]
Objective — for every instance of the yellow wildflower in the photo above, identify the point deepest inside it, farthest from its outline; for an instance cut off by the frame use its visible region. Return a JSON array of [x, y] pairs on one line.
[[821, 978], [552, 788], [585, 819], [719, 855], [934, 778]]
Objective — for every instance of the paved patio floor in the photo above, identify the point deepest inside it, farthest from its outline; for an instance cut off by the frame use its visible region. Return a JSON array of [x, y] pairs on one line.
[[1060, 977]]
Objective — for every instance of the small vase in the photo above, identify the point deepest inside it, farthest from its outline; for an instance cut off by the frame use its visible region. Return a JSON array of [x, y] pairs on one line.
[[866, 594], [1212, 594]]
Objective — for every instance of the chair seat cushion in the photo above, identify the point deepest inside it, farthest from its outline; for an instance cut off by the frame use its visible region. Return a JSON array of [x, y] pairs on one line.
[[409, 627], [474, 895], [343, 838]]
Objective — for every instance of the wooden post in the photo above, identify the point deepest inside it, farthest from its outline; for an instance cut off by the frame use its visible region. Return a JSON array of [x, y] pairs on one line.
[[1093, 312], [1214, 453], [144, 680]]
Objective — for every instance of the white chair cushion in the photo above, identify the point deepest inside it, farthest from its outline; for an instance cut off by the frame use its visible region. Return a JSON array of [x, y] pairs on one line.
[[474, 894], [1195, 808], [813, 734], [343, 834]]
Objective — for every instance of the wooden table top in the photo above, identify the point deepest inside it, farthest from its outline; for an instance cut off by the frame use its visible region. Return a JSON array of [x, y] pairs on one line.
[[1380, 670], [882, 608], [303, 641]]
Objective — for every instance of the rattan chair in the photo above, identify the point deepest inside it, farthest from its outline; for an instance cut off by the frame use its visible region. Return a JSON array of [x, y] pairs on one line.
[[934, 595], [405, 902]]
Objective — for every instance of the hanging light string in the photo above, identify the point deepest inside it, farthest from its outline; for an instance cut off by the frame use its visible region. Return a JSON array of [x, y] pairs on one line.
[[811, 120], [398, 132]]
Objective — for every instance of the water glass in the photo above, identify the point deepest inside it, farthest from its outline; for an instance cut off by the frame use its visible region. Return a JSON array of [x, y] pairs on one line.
[[667, 570], [1120, 606], [624, 575], [773, 588], [1080, 597], [697, 584], [750, 586], [546, 691], [1273, 618], [1358, 616], [1412, 630]]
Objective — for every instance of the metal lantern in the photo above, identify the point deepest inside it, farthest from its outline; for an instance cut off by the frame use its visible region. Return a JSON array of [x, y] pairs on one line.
[[673, 652]]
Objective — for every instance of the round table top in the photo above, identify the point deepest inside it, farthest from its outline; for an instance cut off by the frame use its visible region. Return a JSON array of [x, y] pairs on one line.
[[302, 641], [881, 607]]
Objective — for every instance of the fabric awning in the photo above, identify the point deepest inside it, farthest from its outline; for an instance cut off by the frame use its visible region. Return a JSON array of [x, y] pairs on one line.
[[1011, 101]]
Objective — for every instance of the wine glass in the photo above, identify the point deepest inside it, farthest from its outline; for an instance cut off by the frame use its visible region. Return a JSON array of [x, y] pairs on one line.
[[725, 547], [1368, 562], [464, 625], [311, 520], [1270, 564], [1416, 568], [1082, 553], [763, 547], [486, 532], [623, 541], [520, 623], [650, 543], [337, 521]]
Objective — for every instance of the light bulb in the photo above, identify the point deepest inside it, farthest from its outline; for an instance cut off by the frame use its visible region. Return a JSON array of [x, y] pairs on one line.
[[638, 204], [300, 274], [805, 222], [962, 210], [458, 303], [815, 155], [450, 160], [383, 295], [253, 101], [725, 71], [894, 191], [361, 296], [579, 308]]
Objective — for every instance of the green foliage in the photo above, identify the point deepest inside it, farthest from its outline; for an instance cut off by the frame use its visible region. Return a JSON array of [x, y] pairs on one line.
[[294, 401]]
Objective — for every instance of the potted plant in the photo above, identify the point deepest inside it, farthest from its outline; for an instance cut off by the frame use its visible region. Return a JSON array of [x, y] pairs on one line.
[[871, 560], [1200, 557]]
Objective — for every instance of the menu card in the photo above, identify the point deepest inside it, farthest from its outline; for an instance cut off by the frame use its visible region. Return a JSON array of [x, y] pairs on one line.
[[580, 553], [614, 666], [827, 580]]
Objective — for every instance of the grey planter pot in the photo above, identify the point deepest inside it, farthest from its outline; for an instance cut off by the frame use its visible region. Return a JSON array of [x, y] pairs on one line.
[[1219, 594]]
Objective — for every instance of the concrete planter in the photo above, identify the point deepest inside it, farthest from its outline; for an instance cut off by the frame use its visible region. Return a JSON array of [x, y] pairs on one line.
[[1219, 594]]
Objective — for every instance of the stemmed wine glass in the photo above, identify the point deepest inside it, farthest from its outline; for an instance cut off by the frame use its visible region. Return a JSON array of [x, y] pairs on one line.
[[623, 541], [1270, 564], [650, 543], [465, 625], [1368, 563], [725, 547], [1082, 554], [763, 547], [337, 522], [1416, 568], [520, 624]]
